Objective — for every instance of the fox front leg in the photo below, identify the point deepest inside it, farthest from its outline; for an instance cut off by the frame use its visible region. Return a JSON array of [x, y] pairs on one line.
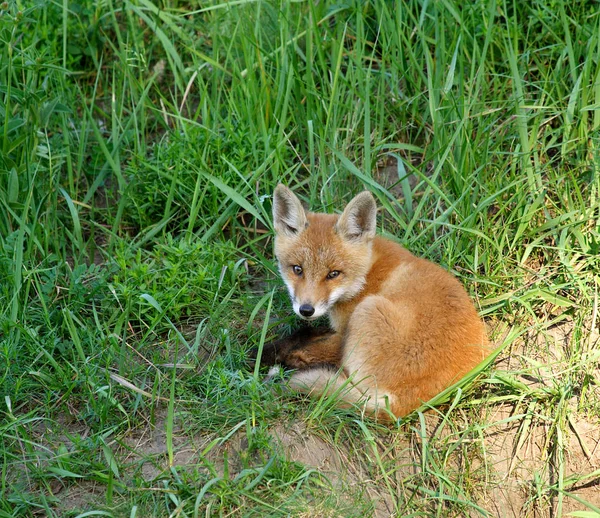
[[304, 348]]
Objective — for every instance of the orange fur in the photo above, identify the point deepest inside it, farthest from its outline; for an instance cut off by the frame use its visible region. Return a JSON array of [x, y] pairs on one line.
[[403, 329]]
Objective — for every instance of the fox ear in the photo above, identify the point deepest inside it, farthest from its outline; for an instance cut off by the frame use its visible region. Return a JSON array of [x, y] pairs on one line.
[[289, 217], [359, 219]]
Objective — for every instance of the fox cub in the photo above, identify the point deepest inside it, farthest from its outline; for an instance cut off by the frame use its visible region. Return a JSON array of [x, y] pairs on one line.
[[402, 328]]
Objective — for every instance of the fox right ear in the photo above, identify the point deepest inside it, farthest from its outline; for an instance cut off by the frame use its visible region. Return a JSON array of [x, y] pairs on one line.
[[289, 217]]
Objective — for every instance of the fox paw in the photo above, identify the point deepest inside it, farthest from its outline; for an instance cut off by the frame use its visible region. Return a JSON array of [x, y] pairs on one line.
[[274, 372]]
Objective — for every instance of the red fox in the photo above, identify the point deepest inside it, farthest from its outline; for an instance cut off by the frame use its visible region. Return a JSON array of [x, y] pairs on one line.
[[402, 328]]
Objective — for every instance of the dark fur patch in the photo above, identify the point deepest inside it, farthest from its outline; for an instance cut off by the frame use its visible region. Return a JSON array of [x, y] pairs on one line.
[[278, 351]]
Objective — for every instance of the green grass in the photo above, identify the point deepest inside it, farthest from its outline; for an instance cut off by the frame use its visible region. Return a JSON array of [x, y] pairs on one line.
[[140, 142]]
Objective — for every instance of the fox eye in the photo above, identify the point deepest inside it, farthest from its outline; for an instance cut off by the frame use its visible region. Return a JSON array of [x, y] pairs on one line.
[[297, 269], [333, 274]]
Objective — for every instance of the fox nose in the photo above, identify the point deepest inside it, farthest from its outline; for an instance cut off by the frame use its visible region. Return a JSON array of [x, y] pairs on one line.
[[306, 310]]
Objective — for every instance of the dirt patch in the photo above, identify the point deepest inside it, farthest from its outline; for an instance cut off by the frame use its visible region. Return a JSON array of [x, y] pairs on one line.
[[510, 462], [146, 448], [543, 441], [80, 497], [528, 465], [345, 466], [299, 445]]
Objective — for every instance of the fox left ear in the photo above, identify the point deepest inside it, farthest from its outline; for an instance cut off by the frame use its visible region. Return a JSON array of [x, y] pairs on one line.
[[359, 220]]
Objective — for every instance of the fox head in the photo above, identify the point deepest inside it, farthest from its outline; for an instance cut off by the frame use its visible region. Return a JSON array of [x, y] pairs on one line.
[[323, 258]]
